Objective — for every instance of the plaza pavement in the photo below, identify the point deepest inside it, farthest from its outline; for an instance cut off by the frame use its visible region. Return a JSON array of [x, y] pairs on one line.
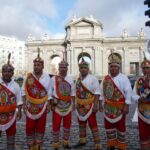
[[131, 135]]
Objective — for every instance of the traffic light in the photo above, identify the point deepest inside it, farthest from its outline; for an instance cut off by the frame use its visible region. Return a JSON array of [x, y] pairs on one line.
[[147, 12]]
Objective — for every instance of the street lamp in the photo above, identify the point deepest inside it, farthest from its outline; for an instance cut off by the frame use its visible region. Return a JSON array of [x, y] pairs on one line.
[[147, 12]]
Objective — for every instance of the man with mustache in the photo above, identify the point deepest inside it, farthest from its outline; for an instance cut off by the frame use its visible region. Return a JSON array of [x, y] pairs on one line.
[[87, 95], [63, 93], [36, 92], [115, 96]]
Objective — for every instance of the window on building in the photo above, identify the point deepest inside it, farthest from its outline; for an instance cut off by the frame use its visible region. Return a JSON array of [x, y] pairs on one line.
[[134, 68]]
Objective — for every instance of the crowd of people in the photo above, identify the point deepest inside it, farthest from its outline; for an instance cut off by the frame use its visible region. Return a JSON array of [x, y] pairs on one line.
[[60, 95]]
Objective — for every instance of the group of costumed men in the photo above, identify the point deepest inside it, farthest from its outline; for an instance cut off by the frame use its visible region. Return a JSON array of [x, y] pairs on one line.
[[61, 95]]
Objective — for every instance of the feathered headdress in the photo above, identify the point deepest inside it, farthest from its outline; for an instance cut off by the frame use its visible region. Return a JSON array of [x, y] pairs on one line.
[[38, 58], [63, 62], [145, 62], [8, 66]]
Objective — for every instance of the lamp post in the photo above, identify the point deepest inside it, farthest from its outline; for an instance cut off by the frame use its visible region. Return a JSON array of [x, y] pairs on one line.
[[147, 12]]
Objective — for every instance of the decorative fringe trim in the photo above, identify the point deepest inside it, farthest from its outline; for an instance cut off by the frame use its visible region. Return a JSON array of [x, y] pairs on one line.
[[83, 118], [39, 138], [122, 146], [98, 146], [145, 145], [56, 145], [30, 140], [9, 124], [66, 134], [38, 142], [97, 140], [37, 147], [65, 142], [63, 112], [37, 116], [113, 120], [82, 140], [96, 136], [143, 118], [32, 147], [10, 140], [56, 136], [112, 142]]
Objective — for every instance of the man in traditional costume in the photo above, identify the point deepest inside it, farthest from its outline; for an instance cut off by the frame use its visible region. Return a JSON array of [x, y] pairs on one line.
[[63, 93], [116, 97], [36, 92], [141, 95], [87, 95], [10, 99]]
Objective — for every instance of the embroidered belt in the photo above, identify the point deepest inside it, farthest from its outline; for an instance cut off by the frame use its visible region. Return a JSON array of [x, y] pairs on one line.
[[37, 101], [114, 104], [85, 101], [5, 109], [144, 106]]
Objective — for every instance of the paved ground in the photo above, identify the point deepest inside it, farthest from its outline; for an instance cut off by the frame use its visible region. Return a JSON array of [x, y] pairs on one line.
[[132, 134]]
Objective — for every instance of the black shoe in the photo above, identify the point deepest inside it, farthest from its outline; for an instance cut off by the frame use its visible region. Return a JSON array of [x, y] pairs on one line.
[[111, 148], [67, 146], [79, 144]]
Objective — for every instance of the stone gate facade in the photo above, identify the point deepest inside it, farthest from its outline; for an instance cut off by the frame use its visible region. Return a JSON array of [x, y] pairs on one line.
[[85, 38]]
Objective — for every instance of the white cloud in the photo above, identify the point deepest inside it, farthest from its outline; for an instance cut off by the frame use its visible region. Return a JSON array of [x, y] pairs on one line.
[[23, 17], [115, 15], [20, 18], [58, 36]]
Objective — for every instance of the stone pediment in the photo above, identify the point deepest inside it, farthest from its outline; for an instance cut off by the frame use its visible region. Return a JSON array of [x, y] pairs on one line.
[[84, 21]]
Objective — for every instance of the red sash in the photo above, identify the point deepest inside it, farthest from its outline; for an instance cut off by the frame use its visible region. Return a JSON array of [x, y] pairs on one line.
[[84, 98], [114, 99], [7, 104], [7, 100], [63, 89], [35, 91], [143, 89], [84, 95]]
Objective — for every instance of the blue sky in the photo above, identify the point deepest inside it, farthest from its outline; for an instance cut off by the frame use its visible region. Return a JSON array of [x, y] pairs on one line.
[[63, 7], [20, 18]]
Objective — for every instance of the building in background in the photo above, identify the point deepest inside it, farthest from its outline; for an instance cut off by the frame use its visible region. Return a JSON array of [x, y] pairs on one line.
[[17, 50], [84, 38]]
